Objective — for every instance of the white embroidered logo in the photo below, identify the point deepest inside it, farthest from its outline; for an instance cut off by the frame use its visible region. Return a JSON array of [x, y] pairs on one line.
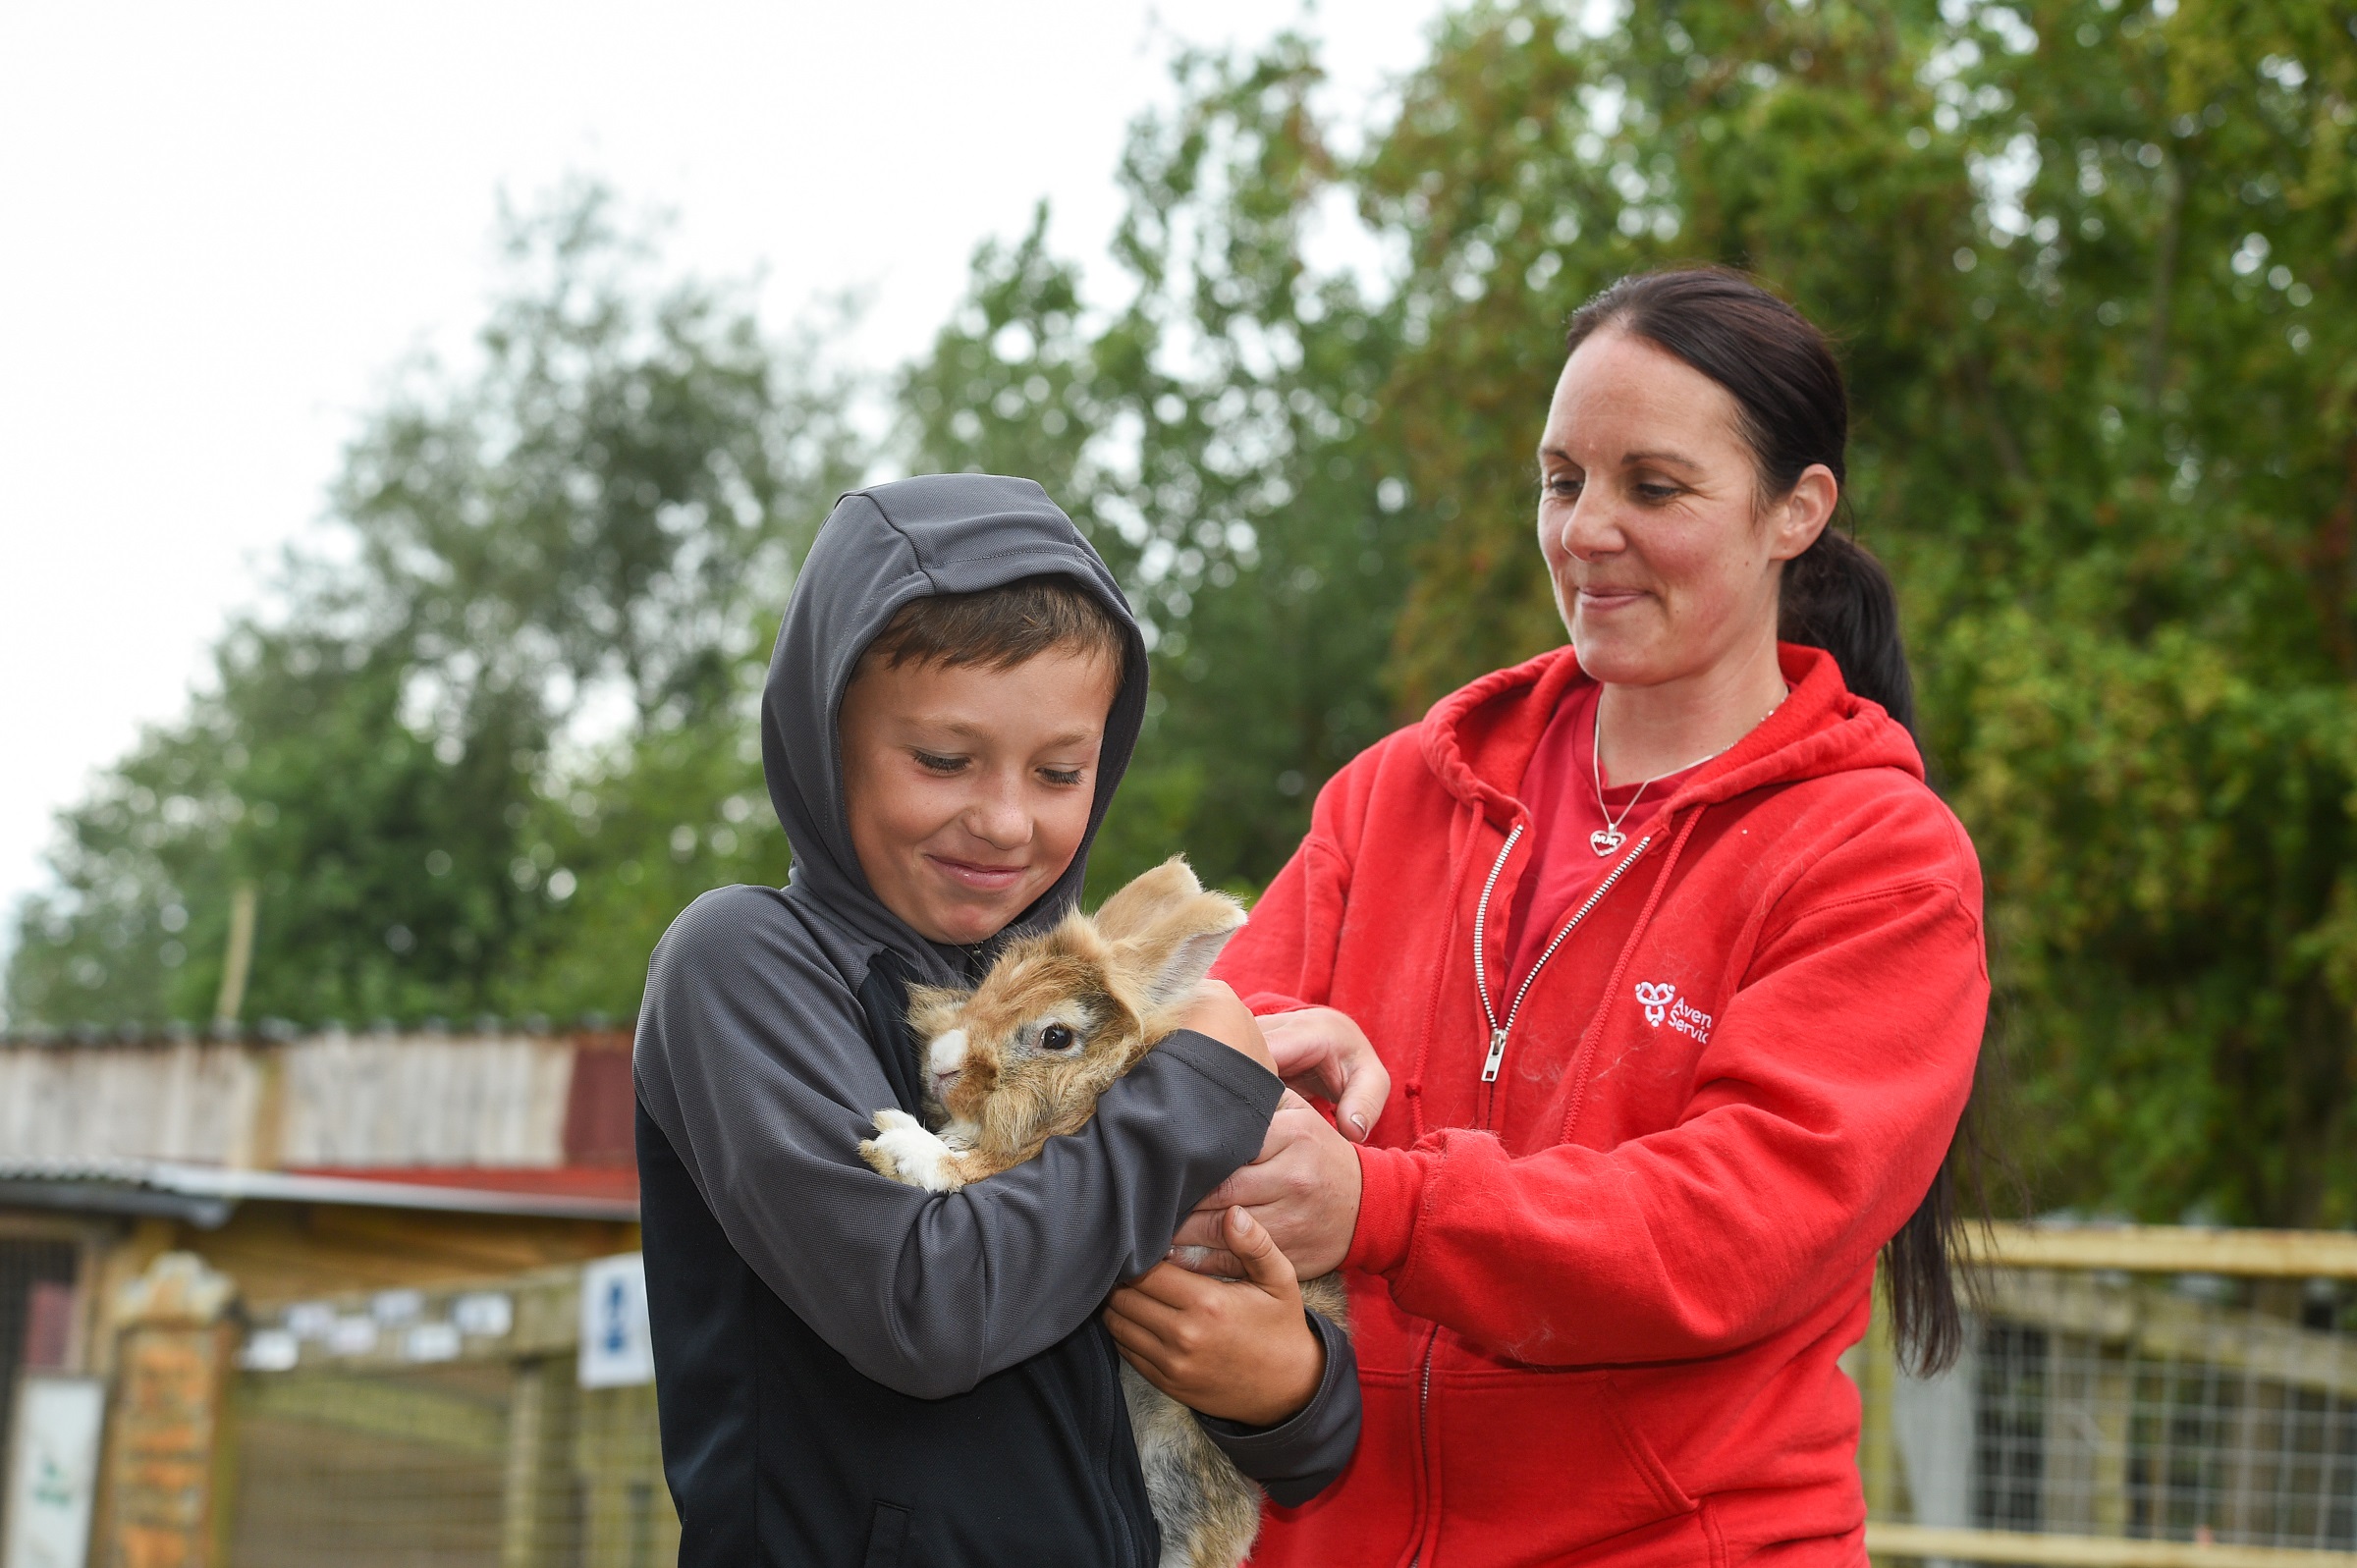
[[1663, 1004]]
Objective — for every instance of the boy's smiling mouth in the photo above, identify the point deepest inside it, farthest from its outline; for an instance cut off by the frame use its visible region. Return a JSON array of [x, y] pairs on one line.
[[978, 875]]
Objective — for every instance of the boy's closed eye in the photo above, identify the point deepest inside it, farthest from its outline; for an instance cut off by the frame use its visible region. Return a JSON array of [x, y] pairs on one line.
[[948, 764]]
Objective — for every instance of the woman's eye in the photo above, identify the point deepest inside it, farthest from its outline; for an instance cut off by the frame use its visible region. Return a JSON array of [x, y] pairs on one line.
[[1656, 492], [1056, 1037], [1563, 487], [932, 763], [1061, 776]]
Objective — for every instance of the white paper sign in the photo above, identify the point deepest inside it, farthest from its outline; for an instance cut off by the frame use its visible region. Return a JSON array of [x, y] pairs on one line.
[[53, 1470], [617, 1346]]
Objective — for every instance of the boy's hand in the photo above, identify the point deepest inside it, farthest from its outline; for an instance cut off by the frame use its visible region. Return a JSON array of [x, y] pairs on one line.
[[1239, 1350], [1219, 1013], [1324, 1052]]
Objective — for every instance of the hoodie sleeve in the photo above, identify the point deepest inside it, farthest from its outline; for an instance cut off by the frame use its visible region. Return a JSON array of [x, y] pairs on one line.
[[753, 1058], [1301, 1455], [1823, 1104]]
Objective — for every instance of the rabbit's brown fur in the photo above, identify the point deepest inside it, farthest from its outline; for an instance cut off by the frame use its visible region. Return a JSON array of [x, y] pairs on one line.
[[1005, 1083]]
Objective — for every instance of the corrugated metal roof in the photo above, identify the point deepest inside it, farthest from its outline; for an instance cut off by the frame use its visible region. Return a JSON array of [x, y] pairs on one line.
[[207, 1194]]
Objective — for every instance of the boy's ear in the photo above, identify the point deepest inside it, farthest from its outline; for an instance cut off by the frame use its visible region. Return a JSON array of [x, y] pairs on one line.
[[1166, 930]]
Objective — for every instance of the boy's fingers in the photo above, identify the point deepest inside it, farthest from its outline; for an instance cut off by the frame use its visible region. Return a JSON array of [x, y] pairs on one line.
[[1256, 1250], [1161, 1293], [1137, 1346]]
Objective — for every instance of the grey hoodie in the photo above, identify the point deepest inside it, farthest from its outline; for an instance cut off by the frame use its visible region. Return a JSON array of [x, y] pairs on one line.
[[759, 1067]]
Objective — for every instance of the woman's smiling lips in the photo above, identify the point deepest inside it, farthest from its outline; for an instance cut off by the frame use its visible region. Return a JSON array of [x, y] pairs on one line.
[[980, 877], [1604, 599]]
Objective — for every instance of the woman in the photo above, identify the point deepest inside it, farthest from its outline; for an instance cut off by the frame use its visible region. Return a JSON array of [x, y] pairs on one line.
[[1677, 967]]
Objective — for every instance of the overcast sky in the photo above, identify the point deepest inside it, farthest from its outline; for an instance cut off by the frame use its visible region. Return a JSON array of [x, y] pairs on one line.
[[225, 225]]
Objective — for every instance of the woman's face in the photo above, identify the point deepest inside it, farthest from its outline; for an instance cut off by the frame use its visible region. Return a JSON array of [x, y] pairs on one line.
[[1664, 559]]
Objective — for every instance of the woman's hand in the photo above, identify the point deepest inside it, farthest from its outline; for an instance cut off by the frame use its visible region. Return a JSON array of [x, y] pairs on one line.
[[1304, 1190], [1322, 1052], [1242, 1352]]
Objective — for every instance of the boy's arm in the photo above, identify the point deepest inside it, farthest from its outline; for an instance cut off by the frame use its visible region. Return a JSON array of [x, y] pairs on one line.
[[1301, 1455], [753, 1058]]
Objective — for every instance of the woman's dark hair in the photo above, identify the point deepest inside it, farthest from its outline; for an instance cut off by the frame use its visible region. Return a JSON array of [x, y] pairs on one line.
[[1836, 596]]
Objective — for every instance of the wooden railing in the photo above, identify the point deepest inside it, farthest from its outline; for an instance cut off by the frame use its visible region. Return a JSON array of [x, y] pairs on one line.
[[2070, 1286]]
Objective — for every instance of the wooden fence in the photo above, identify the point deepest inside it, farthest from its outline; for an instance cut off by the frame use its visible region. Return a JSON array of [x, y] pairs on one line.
[[2135, 1397]]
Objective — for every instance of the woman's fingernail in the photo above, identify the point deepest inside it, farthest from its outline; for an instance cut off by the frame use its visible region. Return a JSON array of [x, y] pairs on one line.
[[1358, 1121]]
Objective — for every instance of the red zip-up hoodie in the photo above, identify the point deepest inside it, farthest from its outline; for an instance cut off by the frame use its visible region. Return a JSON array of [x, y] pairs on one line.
[[1598, 1297]]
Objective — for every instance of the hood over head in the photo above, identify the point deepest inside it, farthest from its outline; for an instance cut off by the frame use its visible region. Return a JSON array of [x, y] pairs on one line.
[[879, 548]]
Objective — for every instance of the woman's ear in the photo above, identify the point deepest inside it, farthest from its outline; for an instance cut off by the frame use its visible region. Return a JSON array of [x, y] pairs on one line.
[[1795, 521]]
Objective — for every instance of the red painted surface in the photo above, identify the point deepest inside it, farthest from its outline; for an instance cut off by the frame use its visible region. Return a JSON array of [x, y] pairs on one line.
[[566, 1181], [600, 1113]]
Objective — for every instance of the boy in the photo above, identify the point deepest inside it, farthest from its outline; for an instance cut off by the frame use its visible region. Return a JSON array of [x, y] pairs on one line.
[[855, 1372]]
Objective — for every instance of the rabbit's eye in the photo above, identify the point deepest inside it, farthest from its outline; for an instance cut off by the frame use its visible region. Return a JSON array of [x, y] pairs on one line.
[[1056, 1037]]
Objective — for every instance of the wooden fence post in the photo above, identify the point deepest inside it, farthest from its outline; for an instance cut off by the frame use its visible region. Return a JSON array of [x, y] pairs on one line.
[[537, 1522], [164, 1443]]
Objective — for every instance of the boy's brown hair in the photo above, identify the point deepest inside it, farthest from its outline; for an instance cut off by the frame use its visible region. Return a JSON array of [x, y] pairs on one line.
[[1002, 628]]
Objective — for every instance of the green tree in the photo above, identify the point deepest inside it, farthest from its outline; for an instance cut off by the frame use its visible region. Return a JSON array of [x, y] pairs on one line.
[[1214, 436], [559, 568], [2091, 268]]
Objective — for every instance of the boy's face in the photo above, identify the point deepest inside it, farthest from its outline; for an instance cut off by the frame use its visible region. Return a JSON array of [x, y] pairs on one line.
[[968, 788]]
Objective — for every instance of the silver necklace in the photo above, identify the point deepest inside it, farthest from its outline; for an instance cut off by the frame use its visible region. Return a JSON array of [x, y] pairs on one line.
[[1609, 838]]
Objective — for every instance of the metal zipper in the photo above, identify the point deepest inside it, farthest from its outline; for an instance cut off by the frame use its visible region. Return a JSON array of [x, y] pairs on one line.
[[1481, 979], [1423, 1438], [1489, 1063]]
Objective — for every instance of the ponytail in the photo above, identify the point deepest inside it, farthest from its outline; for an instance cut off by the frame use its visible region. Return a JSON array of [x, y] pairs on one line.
[[1838, 597], [1794, 410]]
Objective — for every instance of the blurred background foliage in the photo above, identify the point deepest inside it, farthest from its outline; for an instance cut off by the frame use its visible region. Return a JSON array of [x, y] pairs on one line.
[[2091, 265]]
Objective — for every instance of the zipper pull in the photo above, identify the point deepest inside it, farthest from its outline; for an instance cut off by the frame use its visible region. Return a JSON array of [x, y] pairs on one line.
[[1489, 1068]]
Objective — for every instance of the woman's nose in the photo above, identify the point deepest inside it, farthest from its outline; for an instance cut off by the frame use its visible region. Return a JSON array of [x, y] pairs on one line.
[[1588, 530]]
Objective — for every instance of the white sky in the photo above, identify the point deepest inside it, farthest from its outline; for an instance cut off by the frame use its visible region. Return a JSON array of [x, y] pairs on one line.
[[221, 225]]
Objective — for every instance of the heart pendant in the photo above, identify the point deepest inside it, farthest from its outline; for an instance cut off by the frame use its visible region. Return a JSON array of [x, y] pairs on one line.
[[1603, 840]]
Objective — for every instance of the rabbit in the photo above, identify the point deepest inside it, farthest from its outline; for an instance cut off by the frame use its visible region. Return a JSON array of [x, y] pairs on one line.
[[1021, 1058]]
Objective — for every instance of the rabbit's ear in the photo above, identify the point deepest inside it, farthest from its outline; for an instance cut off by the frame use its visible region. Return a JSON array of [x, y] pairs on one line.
[[1147, 900], [1186, 960], [1166, 930]]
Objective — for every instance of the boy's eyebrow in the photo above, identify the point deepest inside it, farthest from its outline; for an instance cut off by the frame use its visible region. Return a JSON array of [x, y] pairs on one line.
[[973, 732]]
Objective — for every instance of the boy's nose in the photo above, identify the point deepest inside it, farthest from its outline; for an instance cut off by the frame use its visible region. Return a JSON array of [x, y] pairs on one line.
[[1001, 820]]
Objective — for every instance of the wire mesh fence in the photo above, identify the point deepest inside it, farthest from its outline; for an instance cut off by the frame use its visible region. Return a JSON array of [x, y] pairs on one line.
[[2130, 1397], [405, 1429]]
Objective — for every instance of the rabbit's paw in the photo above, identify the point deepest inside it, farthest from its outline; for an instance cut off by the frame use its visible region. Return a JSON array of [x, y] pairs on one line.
[[905, 1151]]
